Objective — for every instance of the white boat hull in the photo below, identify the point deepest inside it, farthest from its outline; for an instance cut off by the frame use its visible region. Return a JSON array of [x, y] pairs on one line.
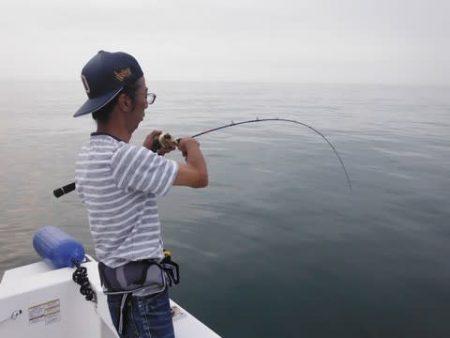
[[37, 301]]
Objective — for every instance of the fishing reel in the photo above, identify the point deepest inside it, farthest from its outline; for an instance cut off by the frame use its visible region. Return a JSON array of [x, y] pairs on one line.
[[164, 141]]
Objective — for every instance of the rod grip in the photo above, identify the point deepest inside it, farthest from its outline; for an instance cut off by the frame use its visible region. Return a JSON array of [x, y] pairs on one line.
[[64, 190]]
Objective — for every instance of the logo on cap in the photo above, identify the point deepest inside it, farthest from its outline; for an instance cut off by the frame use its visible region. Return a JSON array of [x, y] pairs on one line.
[[122, 74], [85, 84]]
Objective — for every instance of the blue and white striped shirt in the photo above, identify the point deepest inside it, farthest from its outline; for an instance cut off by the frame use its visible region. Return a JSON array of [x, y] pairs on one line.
[[118, 183]]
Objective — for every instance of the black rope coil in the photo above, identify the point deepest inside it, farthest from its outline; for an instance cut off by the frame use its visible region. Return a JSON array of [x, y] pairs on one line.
[[80, 277]]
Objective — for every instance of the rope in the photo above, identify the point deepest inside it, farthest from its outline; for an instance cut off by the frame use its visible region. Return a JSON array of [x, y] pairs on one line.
[[80, 277]]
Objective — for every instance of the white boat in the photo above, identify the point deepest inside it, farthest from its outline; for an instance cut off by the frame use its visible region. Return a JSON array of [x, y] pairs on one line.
[[39, 301]]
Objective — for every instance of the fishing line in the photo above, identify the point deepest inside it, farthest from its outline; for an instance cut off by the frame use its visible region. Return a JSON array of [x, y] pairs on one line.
[[71, 186]]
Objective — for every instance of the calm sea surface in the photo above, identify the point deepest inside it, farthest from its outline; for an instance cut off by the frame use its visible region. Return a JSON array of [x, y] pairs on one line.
[[276, 246]]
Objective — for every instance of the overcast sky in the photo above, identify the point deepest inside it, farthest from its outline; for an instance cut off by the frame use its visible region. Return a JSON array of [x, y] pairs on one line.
[[343, 41]]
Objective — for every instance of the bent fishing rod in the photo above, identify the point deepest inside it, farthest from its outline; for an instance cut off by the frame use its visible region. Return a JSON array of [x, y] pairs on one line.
[[71, 186]]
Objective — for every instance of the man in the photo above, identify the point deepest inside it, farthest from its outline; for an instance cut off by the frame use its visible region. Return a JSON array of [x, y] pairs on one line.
[[119, 183]]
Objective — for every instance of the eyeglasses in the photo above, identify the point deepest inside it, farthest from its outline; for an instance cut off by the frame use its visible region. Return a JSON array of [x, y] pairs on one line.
[[151, 98]]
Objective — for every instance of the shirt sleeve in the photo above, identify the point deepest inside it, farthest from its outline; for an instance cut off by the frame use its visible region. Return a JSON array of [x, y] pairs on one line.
[[139, 169]]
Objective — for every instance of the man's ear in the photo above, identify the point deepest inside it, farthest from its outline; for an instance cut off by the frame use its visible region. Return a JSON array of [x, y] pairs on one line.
[[124, 102]]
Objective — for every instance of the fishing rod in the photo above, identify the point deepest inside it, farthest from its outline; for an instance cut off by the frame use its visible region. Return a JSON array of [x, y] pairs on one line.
[[71, 186]]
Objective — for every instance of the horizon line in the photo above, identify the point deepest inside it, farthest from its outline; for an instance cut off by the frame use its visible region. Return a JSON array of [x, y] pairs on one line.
[[366, 83]]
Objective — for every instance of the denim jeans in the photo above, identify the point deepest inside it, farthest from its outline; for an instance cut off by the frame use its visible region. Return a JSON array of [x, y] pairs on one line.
[[145, 317]]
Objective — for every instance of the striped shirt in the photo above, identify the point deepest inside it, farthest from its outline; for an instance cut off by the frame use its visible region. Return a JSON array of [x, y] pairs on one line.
[[118, 183]]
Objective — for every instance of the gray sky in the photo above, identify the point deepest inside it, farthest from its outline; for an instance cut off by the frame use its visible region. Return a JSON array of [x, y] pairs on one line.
[[343, 41]]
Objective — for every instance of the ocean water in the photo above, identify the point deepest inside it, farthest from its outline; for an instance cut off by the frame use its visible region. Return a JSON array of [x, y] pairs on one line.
[[276, 245]]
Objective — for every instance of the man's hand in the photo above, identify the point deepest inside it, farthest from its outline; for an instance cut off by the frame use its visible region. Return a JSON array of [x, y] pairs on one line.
[[194, 172], [148, 143], [186, 143]]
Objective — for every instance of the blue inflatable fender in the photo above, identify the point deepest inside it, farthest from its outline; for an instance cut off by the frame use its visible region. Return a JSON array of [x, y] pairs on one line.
[[54, 245]]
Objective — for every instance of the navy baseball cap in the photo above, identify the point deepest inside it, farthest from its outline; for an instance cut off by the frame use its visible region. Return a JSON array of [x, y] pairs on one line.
[[104, 76]]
